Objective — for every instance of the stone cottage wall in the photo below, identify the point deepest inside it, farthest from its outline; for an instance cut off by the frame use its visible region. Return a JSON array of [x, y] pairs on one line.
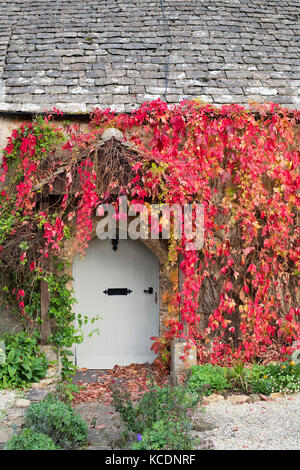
[[9, 322]]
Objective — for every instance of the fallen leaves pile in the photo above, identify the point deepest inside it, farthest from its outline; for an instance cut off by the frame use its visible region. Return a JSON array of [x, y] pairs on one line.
[[135, 377]]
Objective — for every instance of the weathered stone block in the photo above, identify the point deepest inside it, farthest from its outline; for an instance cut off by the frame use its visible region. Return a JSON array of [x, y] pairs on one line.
[[36, 395], [22, 403], [237, 399], [54, 370], [213, 398], [178, 364], [112, 132], [50, 352]]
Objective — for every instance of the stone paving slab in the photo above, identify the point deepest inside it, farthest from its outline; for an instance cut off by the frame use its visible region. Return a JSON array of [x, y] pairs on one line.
[[104, 425]]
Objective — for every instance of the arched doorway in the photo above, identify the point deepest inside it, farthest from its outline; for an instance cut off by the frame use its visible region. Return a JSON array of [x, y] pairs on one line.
[[121, 286]]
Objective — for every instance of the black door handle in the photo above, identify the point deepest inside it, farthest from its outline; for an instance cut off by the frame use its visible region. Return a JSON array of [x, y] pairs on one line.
[[149, 291]]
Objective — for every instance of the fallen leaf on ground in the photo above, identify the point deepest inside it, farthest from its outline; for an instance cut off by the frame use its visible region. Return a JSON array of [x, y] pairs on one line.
[[134, 377], [264, 397]]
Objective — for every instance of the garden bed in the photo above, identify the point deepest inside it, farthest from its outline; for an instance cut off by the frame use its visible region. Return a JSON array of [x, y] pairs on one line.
[[245, 379], [111, 403]]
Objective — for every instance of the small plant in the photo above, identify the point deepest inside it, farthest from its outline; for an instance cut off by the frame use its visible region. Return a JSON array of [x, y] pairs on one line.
[[66, 391], [259, 380], [123, 404], [283, 377], [58, 421], [159, 403], [30, 440], [166, 435], [166, 403], [237, 377], [209, 378], [24, 362], [161, 418]]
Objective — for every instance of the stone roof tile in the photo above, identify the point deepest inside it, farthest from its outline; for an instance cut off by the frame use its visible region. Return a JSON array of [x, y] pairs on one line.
[[77, 55]]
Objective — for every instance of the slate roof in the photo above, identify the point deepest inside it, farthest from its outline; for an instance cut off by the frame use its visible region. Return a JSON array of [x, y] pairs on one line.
[[78, 54]]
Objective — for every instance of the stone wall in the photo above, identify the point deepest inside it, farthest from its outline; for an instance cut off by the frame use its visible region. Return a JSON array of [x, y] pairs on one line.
[[7, 124], [9, 322]]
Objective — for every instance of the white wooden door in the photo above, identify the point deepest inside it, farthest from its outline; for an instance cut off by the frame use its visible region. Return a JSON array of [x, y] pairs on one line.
[[126, 321]]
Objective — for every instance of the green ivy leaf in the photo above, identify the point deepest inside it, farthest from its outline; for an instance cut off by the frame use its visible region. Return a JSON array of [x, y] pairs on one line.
[[11, 370]]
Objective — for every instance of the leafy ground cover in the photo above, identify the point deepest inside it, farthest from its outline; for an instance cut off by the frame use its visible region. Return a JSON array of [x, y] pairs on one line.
[[24, 362], [265, 379]]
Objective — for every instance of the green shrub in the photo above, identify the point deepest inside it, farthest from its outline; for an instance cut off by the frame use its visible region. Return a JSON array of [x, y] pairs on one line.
[[209, 378], [285, 376], [258, 380], [24, 363], [264, 379], [30, 440], [157, 404], [58, 421], [166, 435], [272, 378]]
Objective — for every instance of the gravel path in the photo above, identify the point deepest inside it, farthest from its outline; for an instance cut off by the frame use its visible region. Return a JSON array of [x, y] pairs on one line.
[[264, 425]]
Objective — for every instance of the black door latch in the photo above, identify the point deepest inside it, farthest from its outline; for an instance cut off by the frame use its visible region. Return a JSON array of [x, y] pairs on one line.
[[122, 291], [149, 291]]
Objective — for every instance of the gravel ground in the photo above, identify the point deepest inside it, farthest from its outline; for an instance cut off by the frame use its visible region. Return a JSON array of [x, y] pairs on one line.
[[263, 425]]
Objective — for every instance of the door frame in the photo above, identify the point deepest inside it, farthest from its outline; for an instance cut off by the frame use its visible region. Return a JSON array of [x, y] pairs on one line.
[[158, 247], [137, 314]]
